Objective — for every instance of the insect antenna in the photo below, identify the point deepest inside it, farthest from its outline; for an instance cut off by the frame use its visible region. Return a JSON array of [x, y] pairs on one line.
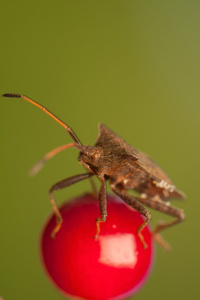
[[40, 164], [69, 130]]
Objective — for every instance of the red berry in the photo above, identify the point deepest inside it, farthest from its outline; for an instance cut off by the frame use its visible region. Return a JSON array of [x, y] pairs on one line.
[[116, 265]]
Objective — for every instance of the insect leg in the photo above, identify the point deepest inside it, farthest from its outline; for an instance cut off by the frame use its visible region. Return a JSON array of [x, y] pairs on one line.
[[40, 164], [94, 188], [134, 202], [163, 207], [102, 204], [61, 185]]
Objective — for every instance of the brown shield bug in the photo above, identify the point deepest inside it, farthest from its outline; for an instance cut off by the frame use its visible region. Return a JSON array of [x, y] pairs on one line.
[[126, 168]]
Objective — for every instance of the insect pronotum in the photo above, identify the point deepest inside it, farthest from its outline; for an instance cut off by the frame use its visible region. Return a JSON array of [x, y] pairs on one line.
[[112, 159]]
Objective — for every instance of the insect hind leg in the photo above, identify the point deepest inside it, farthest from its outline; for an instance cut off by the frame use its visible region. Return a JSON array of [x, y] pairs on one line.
[[135, 203], [166, 208]]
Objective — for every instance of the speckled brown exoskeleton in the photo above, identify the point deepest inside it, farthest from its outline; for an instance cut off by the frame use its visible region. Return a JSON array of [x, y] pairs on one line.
[[112, 159]]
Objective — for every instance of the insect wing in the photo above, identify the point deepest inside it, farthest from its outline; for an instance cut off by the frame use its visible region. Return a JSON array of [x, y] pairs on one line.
[[114, 145], [117, 146]]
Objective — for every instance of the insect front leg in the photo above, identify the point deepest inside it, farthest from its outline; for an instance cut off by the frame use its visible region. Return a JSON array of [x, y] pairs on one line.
[[61, 185], [94, 192], [102, 205], [166, 208], [134, 202]]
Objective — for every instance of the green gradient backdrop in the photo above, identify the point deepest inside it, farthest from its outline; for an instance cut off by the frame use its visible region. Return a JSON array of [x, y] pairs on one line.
[[133, 65]]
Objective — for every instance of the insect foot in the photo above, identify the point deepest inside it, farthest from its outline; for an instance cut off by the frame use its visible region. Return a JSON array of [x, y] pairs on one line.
[[160, 241], [98, 221], [175, 212], [141, 227]]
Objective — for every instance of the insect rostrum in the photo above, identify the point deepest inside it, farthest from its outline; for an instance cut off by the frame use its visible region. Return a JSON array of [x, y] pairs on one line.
[[124, 167]]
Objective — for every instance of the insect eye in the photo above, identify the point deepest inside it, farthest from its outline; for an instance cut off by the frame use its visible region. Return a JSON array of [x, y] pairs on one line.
[[95, 156]]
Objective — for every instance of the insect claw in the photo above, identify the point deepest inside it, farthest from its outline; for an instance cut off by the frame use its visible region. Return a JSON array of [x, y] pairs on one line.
[[158, 238], [98, 220], [142, 240], [96, 237], [56, 229], [53, 235], [141, 227], [59, 221]]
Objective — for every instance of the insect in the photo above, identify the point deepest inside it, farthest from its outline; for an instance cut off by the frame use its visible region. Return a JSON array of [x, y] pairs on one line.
[[112, 159]]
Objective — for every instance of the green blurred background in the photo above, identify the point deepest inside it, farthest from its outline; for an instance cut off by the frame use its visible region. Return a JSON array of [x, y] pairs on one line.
[[133, 65]]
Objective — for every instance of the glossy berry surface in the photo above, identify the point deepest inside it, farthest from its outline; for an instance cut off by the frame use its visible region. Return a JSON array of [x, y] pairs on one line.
[[114, 266]]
